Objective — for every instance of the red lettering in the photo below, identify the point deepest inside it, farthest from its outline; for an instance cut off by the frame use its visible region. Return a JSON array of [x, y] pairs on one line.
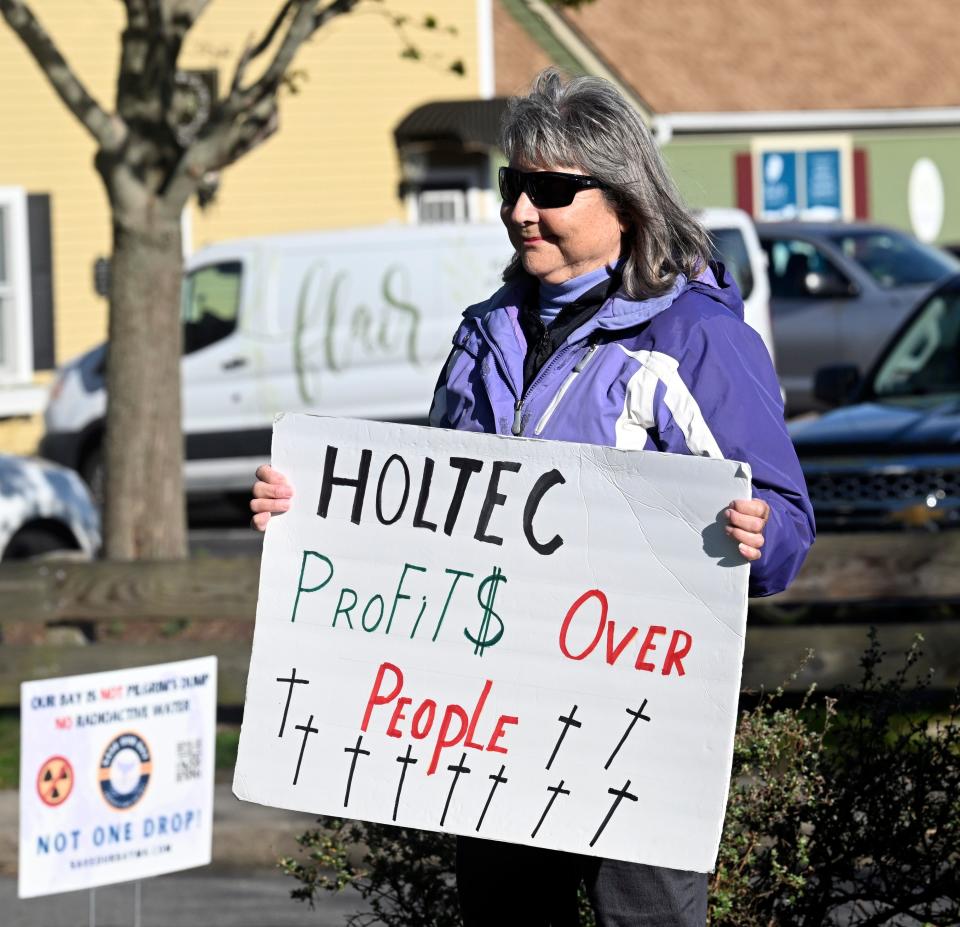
[[375, 697], [675, 654], [614, 652], [647, 646], [398, 715], [443, 740], [430, 707], [498, 732], [589, 594], [475, 717], [455, 726]]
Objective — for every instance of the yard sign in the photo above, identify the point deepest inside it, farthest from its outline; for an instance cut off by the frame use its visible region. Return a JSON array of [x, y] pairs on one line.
[[116, 775], [530, 641]]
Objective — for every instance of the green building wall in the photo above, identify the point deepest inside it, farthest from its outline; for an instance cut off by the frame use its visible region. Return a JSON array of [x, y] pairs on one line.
[[890, 158], [704, 169]]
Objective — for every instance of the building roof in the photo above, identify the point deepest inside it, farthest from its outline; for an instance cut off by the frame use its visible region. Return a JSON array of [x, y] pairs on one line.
[[517, 56], [740, 55]]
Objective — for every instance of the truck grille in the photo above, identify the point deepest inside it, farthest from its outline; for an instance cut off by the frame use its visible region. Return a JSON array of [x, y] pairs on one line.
[[850, 498], [885, 488]]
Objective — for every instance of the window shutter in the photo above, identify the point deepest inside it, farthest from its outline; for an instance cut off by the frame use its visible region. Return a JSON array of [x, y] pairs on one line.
[[861, 187], [41, 279], [743, 171]]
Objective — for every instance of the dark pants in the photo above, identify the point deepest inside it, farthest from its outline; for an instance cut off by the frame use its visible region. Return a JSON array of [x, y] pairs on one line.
[[502, 884]]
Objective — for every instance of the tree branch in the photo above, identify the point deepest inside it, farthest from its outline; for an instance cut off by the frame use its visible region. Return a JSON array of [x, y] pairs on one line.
[[182, 14], [254, 51], [306, 20], [248, 115], [108, 130]]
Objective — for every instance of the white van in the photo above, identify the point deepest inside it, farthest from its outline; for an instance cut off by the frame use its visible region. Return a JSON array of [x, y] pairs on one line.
[[348, 323]]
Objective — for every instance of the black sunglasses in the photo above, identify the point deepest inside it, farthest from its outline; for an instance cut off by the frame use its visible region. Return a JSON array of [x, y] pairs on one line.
[[546, 189]]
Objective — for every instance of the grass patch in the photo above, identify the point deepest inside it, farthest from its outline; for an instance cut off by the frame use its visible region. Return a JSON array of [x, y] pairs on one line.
[[228, 739], [9, 751]]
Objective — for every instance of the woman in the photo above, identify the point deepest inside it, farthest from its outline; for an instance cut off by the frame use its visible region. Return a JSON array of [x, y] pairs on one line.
[[613, 327]]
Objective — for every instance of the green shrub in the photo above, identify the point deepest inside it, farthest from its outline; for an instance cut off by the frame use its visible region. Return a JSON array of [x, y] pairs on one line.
[[841, 810]]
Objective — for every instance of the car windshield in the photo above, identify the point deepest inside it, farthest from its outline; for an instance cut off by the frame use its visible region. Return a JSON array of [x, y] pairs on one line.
[[926, 357], [893, 259]]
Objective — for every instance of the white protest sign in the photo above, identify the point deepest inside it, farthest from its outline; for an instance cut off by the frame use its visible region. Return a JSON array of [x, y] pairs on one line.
[[530, 641], [116, 775]]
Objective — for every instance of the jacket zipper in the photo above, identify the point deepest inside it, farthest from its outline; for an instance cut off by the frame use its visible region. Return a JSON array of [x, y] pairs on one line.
[[518, 405], [516, 428], [579, 367]]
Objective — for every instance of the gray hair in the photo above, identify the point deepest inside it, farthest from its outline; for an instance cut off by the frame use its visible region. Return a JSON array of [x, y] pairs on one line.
[[586, 123]]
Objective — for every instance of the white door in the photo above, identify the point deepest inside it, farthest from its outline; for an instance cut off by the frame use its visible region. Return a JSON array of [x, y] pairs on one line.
[[222, 417]]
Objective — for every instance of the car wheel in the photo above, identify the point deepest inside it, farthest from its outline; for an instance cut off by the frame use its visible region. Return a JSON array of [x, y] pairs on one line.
[[38, 541], [92, 471]]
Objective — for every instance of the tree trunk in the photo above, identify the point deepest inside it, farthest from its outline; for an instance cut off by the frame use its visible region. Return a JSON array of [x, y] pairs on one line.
[[145, 514]]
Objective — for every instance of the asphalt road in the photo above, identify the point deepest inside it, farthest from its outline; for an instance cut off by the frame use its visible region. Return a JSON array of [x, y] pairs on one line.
[[192, 899]]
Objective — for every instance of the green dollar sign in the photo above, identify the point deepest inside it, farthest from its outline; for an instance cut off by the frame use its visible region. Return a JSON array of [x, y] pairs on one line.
[[482, 640]]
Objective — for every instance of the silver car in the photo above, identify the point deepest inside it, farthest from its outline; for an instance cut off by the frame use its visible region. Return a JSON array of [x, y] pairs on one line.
[[838, 292], [44, 508]]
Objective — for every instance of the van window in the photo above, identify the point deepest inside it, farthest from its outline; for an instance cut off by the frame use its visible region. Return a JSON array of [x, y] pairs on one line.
[[730, 249], [210, 304]]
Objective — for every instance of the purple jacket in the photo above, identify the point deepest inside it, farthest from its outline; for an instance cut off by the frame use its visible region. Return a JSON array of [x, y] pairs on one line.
[[681, 373]]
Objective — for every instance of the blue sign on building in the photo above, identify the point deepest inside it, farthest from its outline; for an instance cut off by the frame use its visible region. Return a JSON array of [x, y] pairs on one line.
[[823, 181], [779, 184]]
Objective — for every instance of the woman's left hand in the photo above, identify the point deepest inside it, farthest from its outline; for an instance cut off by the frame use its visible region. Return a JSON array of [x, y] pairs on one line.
[[748, 519]]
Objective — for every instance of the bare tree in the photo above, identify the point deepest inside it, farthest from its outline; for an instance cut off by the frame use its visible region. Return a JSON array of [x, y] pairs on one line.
[[150, 171]]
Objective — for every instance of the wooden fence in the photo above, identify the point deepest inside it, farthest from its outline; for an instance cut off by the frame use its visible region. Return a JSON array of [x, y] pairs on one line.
[[858, 570]]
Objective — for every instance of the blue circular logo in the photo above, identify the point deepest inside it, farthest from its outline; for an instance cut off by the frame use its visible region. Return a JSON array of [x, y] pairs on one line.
[[124, 771]]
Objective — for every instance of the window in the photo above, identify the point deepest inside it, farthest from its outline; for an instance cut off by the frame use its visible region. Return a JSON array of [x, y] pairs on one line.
[[730, 249], [211, 304], [442, 206], [893, 259], [802, 180], [798, 270], [16, 327], [926, 359]]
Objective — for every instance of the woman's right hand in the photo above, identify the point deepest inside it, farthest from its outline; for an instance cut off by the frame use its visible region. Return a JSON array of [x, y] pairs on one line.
[[271, 496]]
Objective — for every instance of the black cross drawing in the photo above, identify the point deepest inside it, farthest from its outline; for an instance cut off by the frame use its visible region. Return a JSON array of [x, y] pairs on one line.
[[497, 778], [293, 680], [637, 716], [356, 751], [456, 769], [567, 722], [406, 761], [557, 790], [620, 794], [307, 729]]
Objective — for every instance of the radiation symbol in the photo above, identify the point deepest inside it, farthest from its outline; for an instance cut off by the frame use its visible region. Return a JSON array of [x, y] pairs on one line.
[[55, 781]]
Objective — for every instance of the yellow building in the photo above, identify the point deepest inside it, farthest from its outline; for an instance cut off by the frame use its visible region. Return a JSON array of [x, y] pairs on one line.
[[333, 163]]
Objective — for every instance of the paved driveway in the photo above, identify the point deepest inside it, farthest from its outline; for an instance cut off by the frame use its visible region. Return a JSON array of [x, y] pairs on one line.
[[240, 889], [191, 899]]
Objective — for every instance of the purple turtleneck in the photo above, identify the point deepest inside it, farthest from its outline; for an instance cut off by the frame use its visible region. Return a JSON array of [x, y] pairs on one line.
[[554, 296]]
